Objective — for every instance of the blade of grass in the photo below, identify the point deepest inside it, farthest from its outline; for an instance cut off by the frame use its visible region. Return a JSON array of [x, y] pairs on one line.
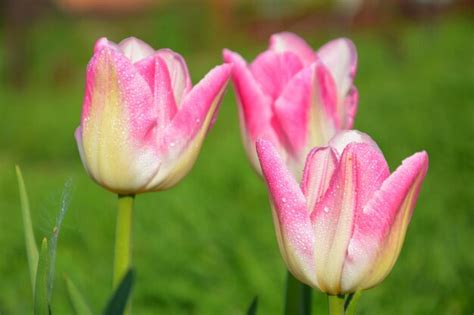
[[31, 249], [77, 300], [253, 307], [41, 302], [118, 301]]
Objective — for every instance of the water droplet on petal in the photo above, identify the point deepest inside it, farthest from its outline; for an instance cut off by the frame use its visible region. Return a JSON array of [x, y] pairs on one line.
[[326, 209], [283, 200]]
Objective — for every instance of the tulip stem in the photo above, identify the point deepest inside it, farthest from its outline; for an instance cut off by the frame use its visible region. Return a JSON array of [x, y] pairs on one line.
[[123, 237], [298, 297], [336, 304]]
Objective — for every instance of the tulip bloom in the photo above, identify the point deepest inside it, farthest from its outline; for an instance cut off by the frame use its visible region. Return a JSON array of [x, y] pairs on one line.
[[295, 97], [143, 123], [343, 229]]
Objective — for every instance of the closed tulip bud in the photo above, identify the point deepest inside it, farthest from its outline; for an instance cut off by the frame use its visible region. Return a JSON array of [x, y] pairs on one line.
[[143, 123], [295, 97], [342, 230]]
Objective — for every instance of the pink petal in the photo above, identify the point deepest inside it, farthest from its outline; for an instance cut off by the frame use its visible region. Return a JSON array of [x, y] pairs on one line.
[[350, 105], [340, 56], [155, 71], [361, 171], [111, 74], [135, 49], [255, 107], [180, 79], [182, 139], [318, 171], [118, 123], [305, 110], [286, 41], [274, 70], [292, 222], [381, 226]]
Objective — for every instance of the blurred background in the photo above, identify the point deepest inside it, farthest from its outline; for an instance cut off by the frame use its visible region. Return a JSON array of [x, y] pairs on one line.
[[208, 246]]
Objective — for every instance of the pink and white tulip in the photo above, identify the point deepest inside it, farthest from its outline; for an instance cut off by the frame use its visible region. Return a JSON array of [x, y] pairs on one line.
[[295, 97], [143, 123], [342, 229]]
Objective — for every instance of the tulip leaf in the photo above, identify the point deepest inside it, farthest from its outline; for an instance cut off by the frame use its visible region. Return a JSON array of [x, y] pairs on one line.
[[351, 302], [297, 297], [77, 300], [253, 306], [118, 302], [31, 248], [41, 301]]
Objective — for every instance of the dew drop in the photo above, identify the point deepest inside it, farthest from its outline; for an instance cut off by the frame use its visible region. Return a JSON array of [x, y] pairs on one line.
[[283, 200], [326, 209], [172, 144]]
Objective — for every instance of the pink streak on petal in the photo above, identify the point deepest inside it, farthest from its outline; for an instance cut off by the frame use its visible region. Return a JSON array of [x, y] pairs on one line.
[[319, 169], [326, 93], [345, 137], [155, 71], [292, 216], [286, 41], [380, 228], [190, 118], [135, 49], [180, 78], [340, 56], [274, 70], [255, 107], [134, 93]]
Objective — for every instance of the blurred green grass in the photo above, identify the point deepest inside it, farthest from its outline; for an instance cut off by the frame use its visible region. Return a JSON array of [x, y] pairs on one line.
[[208, 246]]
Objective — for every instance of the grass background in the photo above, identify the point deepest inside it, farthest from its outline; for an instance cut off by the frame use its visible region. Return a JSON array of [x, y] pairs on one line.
[[208, 246]]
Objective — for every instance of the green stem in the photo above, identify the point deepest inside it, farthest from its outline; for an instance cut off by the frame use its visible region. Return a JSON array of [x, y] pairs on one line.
[[351, 302], [123, 237], [297, 297], [336, 304]]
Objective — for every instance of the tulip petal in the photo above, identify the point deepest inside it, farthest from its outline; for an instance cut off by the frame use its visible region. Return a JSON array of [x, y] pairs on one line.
[[183, 138], [350, 104], [381, 226], [135, 49], [305, 110], [155, 71], [274, 70], [345, 137], [360, 172], [178, 70], [292, 221], [118, 122], [319, 169], [255, 107], [340, 56], [286, 41]]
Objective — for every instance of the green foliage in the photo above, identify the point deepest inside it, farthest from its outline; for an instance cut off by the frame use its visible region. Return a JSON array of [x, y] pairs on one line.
[[78, 303], [208, 244], [253, 307], [118, 302], [41, 300], [31, 248]]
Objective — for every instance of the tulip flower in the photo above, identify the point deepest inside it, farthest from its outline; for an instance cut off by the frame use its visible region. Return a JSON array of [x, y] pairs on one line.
[[295, 97], [143, 123], [342, 230]]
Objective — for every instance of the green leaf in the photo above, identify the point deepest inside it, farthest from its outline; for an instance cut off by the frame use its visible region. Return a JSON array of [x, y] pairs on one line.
[[118, 302], [351, 302], [41, 302], [76, 298], [253, 306], [31, 249], [297, 297]]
